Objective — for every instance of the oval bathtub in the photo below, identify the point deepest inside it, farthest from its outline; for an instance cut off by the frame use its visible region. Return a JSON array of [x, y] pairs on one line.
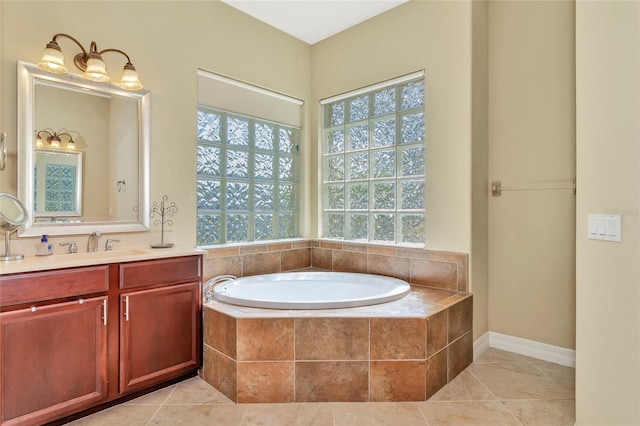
[[311, 290]]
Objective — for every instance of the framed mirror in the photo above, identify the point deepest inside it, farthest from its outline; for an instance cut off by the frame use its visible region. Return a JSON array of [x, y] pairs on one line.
[[101, 177]]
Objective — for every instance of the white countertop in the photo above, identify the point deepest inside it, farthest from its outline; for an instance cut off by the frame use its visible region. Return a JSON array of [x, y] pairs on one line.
[[58, 261]]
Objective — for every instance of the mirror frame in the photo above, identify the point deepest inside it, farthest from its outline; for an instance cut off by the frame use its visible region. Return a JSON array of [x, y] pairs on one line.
[[28, 75]]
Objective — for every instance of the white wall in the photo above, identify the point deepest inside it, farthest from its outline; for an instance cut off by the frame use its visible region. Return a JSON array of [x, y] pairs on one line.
[[608, 156]]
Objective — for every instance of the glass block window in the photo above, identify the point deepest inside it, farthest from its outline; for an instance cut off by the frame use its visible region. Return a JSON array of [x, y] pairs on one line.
[[60, 184], [248, 179], [374, 165]]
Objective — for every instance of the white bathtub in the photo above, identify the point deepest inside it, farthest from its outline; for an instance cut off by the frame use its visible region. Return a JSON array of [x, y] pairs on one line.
[[310, 290]]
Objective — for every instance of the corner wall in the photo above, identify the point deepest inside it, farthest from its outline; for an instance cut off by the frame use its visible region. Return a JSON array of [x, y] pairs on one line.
[[430, 35], [532, 143], [608, 273]]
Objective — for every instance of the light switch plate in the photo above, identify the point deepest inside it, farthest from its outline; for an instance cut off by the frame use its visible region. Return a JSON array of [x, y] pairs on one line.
[[606, 227]]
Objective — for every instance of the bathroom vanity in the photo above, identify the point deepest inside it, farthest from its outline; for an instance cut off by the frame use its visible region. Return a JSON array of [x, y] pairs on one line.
[[95, 329]]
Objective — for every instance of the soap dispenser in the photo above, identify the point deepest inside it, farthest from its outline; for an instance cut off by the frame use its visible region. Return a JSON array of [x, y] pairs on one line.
[[44, 248]]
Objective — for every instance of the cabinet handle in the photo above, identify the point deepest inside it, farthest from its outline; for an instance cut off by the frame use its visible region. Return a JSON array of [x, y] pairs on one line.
[[104, 312], [126, 308]]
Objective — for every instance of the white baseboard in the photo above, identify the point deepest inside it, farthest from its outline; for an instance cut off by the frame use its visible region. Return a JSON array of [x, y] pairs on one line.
[[480, 345], [530, 348]]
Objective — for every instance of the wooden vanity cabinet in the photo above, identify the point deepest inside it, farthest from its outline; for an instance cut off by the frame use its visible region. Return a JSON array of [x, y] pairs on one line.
[[135, 325], [159, 335], [160, 321], [53, 355]]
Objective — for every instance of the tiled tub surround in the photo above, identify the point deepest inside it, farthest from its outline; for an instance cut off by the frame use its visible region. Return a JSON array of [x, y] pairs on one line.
[[404, 350], [437, 269]]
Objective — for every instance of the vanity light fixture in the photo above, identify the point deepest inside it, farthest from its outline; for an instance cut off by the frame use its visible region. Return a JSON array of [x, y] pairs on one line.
[[90, 63], [54, 140]]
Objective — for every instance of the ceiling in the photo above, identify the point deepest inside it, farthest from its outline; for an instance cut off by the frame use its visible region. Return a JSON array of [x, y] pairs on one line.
[[313, 20]]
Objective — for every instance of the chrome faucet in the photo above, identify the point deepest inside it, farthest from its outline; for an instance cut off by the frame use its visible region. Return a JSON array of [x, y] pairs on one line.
[[95, 238], [207, 291]]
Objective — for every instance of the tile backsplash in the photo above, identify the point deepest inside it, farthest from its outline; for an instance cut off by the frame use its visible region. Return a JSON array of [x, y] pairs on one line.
[[438, 269]]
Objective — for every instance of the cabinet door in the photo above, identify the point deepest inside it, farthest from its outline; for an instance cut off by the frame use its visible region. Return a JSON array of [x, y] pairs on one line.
[[53, 360], [159, 335]]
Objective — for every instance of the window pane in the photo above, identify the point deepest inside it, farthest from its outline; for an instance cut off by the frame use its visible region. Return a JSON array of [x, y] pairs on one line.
[[358, 196], [264, 136], [412, 194], [263, 169], [384, 163], [208, 193], [384, 227], [358, 226], [384, 195], [237, 196], [237, 131], [359, 137], [412, 128], [237, 164], [359, 108], [208, 227], [208, 160], [288, 226], [334, 169], [359, 166], [264, 227], [263, 197], [334, 114], [209, 126], [336, 225], [384, 102], [334, 142], [413, 95], [413, 161], [413, 228], [286, 141], [237, 225], [384, 133], [335, 197], [286, 201], [286, 169]]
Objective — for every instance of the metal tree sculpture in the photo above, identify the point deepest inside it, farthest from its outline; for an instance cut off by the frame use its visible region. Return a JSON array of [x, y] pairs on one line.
[[164, 211]]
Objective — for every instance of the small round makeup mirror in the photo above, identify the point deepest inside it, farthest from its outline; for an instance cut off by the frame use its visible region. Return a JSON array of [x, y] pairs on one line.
[[12, 216]]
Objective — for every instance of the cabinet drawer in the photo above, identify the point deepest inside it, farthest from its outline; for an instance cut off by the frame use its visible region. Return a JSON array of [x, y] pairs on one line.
[[162, 271], [49, 285]]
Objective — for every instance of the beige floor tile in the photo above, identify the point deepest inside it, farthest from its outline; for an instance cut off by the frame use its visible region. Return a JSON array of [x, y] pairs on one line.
[[198, 415], [468, 413], [196, 391], [519, 381], [496, 355], [565, 376], [130, 415], [378, 414], [154, 398], [543, 413], [301, 414], [465, 387]]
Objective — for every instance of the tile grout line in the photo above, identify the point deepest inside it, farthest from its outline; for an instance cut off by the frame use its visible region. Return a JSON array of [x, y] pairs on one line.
[[161, 405]]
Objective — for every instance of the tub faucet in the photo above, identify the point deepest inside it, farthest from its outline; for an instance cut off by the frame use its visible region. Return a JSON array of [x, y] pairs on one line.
[[207, 291], [94, 241]]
